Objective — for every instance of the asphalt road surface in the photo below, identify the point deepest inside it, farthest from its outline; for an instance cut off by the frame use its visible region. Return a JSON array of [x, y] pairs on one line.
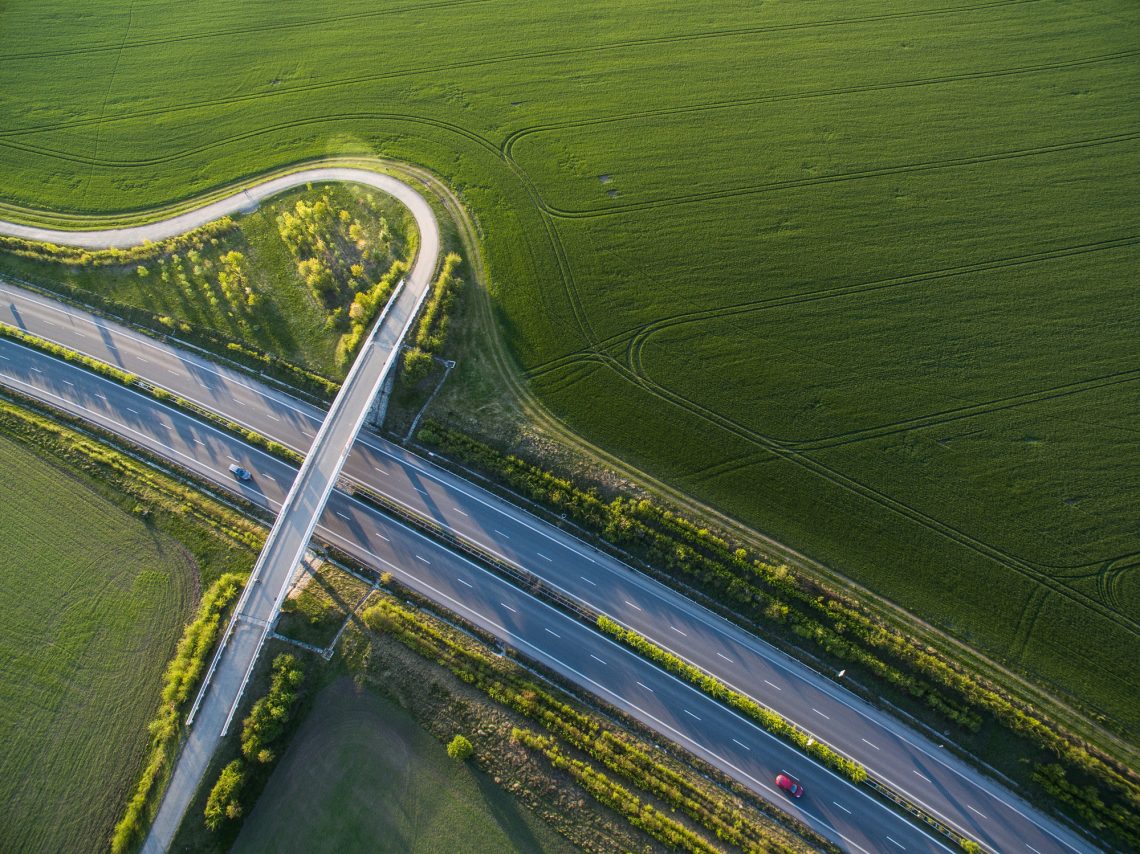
[[852, 816], [892, 751]]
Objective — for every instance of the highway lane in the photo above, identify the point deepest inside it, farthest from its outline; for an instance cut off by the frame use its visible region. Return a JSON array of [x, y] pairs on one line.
[[895, 753], [848, 814]]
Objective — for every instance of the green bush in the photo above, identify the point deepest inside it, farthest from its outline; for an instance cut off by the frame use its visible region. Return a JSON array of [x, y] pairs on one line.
[[224, 802], [269, 716], [460, 749]]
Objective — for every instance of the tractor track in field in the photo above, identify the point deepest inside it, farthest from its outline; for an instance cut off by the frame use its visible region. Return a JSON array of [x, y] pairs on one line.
[[482, 62], [85, 50], [650, 40], [869, 493], [1109, 578], [970, 411], [843, 177], [509, 143], [635, 338]]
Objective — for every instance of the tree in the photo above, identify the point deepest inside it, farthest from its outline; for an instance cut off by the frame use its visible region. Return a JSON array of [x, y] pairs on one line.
[[460, 749], [224, 800]]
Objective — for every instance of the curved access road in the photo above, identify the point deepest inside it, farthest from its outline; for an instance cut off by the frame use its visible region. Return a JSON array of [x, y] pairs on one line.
[[892, 752]]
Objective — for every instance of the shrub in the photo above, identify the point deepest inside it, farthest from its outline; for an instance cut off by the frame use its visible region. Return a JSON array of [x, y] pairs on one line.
[[460, 749], [269, 716], [224, 801]]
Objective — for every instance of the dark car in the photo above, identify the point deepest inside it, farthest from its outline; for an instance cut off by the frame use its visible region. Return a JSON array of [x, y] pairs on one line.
[[240, 473], [790, 785]]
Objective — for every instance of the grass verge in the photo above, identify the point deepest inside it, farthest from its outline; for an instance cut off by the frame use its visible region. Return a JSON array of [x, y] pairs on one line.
[[120, 552]]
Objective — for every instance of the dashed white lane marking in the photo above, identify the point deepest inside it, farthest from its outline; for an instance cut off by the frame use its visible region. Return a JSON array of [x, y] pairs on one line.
[[460, 512], [508, 607], [544, 557], [468, 583], [143, 359], [773, 684], [690, 714], [551, 631], [37, 370], [899, 844], [381, 536], [100, 394], [501, 534], [646, 687], [588, 581], [596, 658], [176, 373], [271, 415], [923, 776], [424, 559], [867, 742], [821, 714], [69, 382], [422, 492], [678, 631], [842, 807], [268, 476], [725, 657], [228, 457], [979, 812], [386, 474], [343, 515], [630, 604], [1031, 848], [199, 441], [5, 358], [742, 744], [135, 411], [163, 425]]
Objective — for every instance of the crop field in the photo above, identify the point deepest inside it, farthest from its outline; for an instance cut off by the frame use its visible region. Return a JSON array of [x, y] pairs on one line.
[[91, 604], [361, 770], [861, 275]]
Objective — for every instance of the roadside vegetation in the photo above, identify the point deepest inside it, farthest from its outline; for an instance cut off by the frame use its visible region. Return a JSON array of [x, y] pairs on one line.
[[797, 239], [287, 289], [802, 614], [112, 557], [504, 757], [431, 330]]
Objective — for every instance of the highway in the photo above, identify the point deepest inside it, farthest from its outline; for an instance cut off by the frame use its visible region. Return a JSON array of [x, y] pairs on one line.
[[851, 815], [893, 752]]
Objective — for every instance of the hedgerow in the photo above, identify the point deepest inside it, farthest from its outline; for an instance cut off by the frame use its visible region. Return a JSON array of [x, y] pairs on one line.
[[182, 677], [658, 825], [712, 686], [770, 594], [431, 330], [620, 752]]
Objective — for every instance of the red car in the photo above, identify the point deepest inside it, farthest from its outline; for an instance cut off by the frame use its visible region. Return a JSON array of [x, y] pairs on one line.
[[790, 785]]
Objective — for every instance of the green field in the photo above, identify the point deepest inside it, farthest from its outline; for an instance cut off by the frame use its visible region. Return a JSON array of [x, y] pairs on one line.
[[361, 775], [861, 275], [91, 605]]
